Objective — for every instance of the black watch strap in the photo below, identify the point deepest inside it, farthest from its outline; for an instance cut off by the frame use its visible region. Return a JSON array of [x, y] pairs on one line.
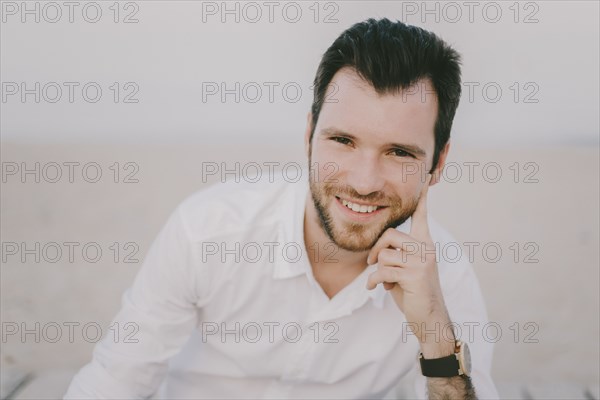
[[444, 367]]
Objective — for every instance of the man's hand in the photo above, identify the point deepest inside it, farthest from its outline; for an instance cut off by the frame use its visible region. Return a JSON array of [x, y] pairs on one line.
[[411, 274]]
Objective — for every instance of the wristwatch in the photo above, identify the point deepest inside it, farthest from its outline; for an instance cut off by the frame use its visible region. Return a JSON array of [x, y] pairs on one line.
[[455, 364]]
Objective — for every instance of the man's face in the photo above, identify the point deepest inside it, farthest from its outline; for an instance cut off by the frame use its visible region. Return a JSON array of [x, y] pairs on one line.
[[371, 151]]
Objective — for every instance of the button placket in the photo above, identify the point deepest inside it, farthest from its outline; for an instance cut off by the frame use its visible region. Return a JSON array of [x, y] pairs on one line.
[[298, 369], [303, 350]]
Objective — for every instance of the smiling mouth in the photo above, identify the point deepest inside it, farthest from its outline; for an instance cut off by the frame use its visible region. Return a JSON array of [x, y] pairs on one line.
[[360, 208]]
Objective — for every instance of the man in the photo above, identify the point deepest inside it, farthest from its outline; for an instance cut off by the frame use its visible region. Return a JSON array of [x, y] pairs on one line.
[[362, 302]]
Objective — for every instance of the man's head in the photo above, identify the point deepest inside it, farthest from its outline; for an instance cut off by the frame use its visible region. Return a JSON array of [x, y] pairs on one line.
[[385, 97]]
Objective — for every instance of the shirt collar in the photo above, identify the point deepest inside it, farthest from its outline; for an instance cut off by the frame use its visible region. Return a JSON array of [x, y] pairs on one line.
[[291, 232]]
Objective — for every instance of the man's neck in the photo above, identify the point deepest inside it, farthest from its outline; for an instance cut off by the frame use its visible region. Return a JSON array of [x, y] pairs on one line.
[[333, 267]]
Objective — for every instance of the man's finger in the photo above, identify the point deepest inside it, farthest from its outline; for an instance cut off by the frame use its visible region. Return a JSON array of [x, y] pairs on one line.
[[384, 274], [392, 238]]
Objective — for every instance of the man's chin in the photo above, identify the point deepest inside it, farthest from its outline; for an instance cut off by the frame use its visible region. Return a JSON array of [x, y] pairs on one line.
[[355, 242], [355, 247]]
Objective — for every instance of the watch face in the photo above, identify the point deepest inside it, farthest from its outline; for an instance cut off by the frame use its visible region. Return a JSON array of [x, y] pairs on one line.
[[466, 359]]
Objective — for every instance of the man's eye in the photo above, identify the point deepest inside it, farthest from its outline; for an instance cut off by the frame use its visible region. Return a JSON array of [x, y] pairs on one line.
[[401, 153], [341, 140]]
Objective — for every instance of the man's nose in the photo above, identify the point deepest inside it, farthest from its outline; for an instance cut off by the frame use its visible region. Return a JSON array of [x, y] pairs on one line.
[[365, 175]]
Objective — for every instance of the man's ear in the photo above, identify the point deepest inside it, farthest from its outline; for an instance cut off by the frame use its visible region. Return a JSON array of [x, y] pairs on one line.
[[441, 162], [307, 133]]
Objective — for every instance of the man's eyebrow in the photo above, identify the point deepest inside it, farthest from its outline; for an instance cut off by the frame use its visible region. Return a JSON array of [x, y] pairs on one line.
[[334, 131], [411, 148]]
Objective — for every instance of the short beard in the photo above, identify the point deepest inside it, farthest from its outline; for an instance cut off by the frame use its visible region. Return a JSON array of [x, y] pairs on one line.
[[354, 239]]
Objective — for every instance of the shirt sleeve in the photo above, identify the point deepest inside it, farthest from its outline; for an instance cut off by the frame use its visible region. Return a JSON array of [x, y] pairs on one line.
[[157, 317], [466, 307]]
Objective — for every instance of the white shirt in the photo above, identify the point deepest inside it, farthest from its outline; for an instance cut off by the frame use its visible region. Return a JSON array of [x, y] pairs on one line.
[[220, 321]]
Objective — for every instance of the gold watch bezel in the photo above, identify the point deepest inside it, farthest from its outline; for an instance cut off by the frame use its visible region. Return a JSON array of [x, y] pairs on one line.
[[461, 351]]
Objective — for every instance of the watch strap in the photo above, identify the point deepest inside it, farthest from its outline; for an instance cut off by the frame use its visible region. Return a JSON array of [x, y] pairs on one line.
[[444, 367]]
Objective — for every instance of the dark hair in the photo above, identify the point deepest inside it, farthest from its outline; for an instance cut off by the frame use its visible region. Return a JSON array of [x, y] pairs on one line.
[[392, 56]]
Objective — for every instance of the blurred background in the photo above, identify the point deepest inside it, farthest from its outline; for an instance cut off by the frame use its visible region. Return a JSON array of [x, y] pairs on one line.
[[112, 111]]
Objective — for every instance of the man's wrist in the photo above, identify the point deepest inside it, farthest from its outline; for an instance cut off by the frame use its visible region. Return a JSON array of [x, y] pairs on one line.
[[444, 348], [438, 346]]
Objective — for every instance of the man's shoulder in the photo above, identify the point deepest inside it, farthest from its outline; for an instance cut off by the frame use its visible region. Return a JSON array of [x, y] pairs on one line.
[[232, 206]]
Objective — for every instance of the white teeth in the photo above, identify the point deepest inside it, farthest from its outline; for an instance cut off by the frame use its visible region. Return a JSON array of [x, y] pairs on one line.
[[358, 207]]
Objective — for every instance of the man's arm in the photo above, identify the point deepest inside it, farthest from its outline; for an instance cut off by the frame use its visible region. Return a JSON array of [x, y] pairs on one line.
[[157, 317]]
